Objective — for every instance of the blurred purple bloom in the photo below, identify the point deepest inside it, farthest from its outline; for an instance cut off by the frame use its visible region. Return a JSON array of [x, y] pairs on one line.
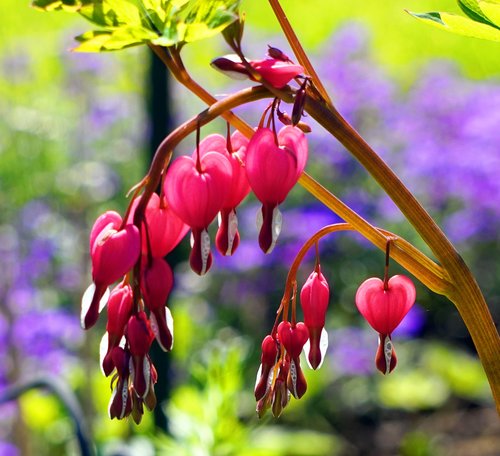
[[412, 323], [7, 449], [351, 350]]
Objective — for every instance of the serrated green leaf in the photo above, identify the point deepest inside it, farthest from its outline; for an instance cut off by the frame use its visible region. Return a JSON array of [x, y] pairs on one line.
[[459, 25], [491, 9], [471, 8]]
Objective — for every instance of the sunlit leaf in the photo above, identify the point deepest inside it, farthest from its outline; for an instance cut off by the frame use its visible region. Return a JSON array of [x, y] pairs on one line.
[[460, 25], [60, 5], [106, 40], [126, 23], [472, 9], [491, 8]]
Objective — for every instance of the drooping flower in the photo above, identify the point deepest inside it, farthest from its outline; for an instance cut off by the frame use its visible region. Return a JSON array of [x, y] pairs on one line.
[[273, 169], [120, 403], [314, 298], [267, 361], [276, 72], [114, 249], [384, 306], [120, 306], [156, 285], [164, 228], [227, 237], [139, 337], [196, 191], [293, 338]]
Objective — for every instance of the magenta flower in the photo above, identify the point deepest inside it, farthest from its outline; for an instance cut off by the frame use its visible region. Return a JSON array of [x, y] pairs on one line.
[[196, 191], [293, 338], [120, 306], [228, 238], [276, 72], [114, 250], [139, 337], [120, 404], [164, 228], [267, 362], [384, 306], [156, 285], [314, 298], [273, 166]]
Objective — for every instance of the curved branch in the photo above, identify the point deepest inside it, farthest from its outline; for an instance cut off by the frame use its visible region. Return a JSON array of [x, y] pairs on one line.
[[59, 389]]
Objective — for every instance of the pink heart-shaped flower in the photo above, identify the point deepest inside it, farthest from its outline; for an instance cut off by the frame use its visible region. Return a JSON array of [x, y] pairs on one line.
[[384, 309], [197, 194], [273, 169], [293, 338]]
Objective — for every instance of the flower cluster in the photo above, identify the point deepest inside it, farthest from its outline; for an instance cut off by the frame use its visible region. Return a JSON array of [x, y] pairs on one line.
[[130, 250], [383, 303]]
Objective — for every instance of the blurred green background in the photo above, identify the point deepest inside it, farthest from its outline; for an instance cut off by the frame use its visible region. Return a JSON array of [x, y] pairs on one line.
[[73, 140]]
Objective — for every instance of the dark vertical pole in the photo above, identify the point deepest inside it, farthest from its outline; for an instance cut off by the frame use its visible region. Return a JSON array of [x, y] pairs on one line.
[[160, 120]]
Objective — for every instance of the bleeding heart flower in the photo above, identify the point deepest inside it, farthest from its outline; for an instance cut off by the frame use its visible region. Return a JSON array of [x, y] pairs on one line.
[[267, 362], [156, 284], [314, 298], [196, 190], [139, 337], [276, 72], [272, 170], [228, 238], [114, 250], [164, 228], [120, 404], [384, 308], [293, 338], [120, 306]]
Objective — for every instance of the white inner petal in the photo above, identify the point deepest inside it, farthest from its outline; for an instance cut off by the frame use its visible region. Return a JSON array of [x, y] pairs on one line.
[[86, 301], [275, 227], [259, 220], [293, 376], [103, 350], [205, 250], [170, 325], [232, 230], [387, 354]]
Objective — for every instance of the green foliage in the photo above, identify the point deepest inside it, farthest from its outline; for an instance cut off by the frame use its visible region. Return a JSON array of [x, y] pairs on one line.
[[126, 23], [483, 19], [204, 414]]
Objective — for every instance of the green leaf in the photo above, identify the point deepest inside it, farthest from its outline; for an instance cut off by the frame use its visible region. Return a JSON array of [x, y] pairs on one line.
[[198, 19], [472, 9], [106, 40], [60, 5], [491, 8], [459, 25], [126, 23]]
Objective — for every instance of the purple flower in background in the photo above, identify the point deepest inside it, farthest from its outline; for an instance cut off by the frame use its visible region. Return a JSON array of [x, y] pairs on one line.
[[351, 352], [412, 324]]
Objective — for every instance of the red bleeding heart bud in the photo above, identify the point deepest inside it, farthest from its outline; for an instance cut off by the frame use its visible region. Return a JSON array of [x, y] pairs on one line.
[[385, 308], [277, 54], [276, 72], [119, 310], [231, 65], [293, 338], [268, 360], [314, 298]]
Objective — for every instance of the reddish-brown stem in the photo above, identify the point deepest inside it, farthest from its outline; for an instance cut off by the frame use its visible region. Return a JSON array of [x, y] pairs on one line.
[[298, 50]]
